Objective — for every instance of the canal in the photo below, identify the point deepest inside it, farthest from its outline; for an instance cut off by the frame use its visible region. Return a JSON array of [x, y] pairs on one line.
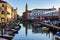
[[28, 32]]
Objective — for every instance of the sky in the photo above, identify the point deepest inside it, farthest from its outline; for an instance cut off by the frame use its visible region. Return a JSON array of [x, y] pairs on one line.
[[33, 4]]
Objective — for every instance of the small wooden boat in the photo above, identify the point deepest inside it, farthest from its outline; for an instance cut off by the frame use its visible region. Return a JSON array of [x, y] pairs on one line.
[[57, 36], [17, 28], [10, 33], [6, 36], [46, 29]]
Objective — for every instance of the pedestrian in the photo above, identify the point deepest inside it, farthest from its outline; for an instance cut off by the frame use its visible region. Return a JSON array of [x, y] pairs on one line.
[[3, 28]]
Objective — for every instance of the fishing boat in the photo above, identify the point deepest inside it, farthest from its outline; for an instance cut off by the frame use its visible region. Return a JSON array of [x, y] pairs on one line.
[[6, 36], [57, 36], [18, 27], [45, 28]]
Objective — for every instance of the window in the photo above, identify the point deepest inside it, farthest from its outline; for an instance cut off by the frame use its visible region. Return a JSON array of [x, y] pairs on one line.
[[2, 5], [8, 13], [2, 19], [2, 12]]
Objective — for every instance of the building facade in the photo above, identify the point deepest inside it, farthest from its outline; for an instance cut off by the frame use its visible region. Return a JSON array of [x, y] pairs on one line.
[[6, 12], [15, 14], [37, 13], [54, 15]]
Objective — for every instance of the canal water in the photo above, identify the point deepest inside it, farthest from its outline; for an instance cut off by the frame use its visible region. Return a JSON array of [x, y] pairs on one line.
[[28, 32]]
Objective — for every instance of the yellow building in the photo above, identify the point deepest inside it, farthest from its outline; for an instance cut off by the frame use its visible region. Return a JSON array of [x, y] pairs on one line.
[[6, 12]]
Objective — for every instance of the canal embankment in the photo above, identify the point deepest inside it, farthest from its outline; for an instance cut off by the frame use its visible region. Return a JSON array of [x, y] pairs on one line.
[[51, 27]]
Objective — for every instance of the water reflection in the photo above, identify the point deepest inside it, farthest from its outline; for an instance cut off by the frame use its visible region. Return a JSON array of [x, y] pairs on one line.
[[26, 28], [28, 32]]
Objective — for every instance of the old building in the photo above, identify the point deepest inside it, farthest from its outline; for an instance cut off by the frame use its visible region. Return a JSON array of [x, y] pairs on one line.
[[54, 15], [6, 12], [37, 13], [15, 14], [25, 14]]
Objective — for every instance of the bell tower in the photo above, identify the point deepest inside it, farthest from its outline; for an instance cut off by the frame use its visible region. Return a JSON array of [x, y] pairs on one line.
[[26, 11]]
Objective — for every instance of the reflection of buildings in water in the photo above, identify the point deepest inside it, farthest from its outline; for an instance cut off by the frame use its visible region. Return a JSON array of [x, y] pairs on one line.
[[39, 30], [53, 33], [50, 34], [26, 28], [28, 25], [23, 24]]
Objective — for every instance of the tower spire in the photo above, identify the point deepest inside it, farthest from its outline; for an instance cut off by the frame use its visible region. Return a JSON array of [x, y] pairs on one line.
[[26, 10], [26, 7]]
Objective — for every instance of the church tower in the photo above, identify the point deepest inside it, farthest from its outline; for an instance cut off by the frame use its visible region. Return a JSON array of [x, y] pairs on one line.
[[26, 11]]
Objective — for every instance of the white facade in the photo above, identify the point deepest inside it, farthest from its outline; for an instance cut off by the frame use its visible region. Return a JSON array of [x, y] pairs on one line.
[[29, 14], [53, 13], [38, 13]]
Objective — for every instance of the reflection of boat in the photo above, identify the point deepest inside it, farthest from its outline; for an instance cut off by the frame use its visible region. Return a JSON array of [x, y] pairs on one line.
[[36, 24], [57, 36]]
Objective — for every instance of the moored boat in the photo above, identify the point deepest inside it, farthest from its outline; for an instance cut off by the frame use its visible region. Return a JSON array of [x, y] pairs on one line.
[[57, 36], [45, 28]]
